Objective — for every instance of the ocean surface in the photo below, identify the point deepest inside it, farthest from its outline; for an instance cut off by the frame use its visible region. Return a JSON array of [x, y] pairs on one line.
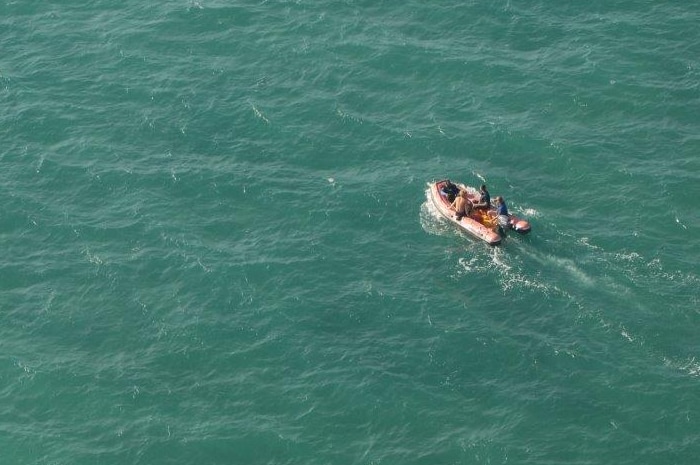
[[217, 246]]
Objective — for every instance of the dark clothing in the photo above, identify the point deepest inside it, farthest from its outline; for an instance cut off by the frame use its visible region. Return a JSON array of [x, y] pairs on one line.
[[486, 198], [502, 209], [503, 218], [450, 190]]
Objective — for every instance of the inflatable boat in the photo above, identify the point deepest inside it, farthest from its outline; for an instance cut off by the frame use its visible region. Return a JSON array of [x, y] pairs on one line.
[[483, 224]]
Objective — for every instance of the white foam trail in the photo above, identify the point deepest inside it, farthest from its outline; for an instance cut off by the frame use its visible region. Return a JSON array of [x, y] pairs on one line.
[[430, 219], [512, 272], [573, 270], [690, 366]]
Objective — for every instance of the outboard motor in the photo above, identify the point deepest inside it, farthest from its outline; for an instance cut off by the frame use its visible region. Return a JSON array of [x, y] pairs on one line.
[[503, 225]]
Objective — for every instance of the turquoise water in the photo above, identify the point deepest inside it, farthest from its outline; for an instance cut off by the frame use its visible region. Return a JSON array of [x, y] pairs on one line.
[[218, 247]]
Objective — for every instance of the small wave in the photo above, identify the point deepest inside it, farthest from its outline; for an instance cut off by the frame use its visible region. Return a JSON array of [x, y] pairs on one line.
[[480, 176], [585, 242], [625, 333], [682, 225], [627, 257], [259, 114], [689, 366]]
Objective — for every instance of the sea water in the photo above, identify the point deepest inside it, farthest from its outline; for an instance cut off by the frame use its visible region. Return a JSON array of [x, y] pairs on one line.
[[218, 249]]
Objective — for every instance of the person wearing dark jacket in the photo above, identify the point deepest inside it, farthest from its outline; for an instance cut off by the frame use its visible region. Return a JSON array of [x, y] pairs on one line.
[[450, 190], [485, 200]]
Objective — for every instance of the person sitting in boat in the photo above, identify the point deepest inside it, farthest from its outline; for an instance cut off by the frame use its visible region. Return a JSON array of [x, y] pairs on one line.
[[450, 190], [502, 211], [485, 200], [462, 205], [503, 215], [501, 207]]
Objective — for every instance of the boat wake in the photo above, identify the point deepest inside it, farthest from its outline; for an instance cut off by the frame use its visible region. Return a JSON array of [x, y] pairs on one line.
[[430, 219], [504, 261], [611, 293]]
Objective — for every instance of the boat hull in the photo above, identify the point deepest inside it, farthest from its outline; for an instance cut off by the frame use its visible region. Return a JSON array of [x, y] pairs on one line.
[[481, 224]]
